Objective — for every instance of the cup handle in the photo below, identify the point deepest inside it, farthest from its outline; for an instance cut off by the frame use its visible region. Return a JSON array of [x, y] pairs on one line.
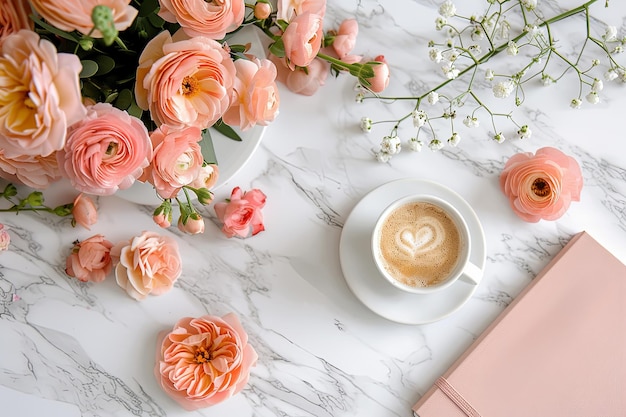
[[471, 274]]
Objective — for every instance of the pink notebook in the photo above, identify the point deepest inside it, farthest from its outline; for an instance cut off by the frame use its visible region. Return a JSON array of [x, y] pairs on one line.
[[558, 350]]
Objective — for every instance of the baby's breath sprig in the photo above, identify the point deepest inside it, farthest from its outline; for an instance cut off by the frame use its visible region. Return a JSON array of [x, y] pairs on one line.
[[478, 39]]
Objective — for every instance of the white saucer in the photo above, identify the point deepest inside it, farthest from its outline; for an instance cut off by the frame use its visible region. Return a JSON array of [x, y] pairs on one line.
[[364, 279]]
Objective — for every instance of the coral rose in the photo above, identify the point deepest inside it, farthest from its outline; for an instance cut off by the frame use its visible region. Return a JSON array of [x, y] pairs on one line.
[[301, 81], [84, 211], [34, 171], [14, 17], [177, 159], [204, 361], [187, 83], [255, 94], [303, 39], [541, 186], [90, 259], [72, 15], [39, 95], [148, 264], [105, 151], [212, 19], [242, 216]]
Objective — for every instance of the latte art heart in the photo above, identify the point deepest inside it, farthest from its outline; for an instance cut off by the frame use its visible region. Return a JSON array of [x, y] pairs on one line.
[[421, 238]]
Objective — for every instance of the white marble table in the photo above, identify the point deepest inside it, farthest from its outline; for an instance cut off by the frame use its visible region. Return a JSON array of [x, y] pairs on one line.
[[72, 349]]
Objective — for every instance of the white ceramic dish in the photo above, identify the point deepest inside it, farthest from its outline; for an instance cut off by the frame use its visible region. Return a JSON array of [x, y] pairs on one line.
[[364, 279]]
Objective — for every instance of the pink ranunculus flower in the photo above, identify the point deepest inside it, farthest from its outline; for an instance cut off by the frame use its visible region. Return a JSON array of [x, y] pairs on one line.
[[193, 224], [185, 83], [380, 80], [287, 10], [541, 186], [70, 15], [300, 81], [35, 123], [5, 238], [345, 38], [303, 39], [212, 19], [84, 211], [90, 260], [148, 264], [204, 361], [242, 215], [207, 178], [163, 220], [255, 94], [105, 151], [34, 171], [14, 17], [177, 159]]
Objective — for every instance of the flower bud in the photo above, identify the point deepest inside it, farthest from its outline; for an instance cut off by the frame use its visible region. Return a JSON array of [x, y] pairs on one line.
[[35, 199], [204, 195], [380, 80], [84, 211], [102, 18], [193, 224], [262, 10]]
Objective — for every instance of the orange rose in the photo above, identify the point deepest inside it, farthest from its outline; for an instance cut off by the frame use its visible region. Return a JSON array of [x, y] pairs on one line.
[[13, 17], [204, 361], [541, 186], [212, 19], [90, 259]]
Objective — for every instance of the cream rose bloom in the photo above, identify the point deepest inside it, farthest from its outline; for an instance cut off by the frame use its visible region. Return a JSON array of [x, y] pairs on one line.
[[72, 15], [39, 95]]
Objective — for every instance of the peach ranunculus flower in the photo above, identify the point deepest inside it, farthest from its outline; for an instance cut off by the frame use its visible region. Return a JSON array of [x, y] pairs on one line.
[[287, 10], [541, 186], [39, 95], [34, 171], [242, 216], [303, 39], [177, 159], [70, 15], [84, 211], [5, 238], [105, 151], [14, 17], [380, 80], [301, 81], [148, 264], [204, 361], [209, 174], [212, 19], [345, 38], [90, 260], [255, 94], [184, 83]]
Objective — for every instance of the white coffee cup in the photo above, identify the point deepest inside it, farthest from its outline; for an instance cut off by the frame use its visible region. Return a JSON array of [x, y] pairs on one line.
[[422, 244]]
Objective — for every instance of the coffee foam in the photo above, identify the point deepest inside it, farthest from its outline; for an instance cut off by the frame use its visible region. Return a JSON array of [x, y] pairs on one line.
[[419, 244]]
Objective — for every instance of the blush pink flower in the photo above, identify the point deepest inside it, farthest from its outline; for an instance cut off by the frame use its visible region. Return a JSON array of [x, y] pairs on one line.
[[345, 38], [212, 19], [105, 151], [242, 216], [5, 238], [303, 39], [90, 260], [187, 83], [301, 81], [380, 80], [177, 159], [148, 264], [207, 178], [39, 95], [192, 224], [34, 171], [72, 15], [262, 10], [14, 17], [204, 361], [84, 211], [541, 186], [287, 10], [255, 94]]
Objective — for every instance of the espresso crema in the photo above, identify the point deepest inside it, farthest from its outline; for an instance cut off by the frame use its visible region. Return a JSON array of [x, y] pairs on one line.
[[419, 244]]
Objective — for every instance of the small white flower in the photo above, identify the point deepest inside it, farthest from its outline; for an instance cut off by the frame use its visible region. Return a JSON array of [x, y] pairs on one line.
[[433, 97], [503, 89], [618, 49], [502, 30], [475, 49], [366, 124], [359, 98], [593, 97], [597, 85], [546, 79], [524, 132], [383, 157], [435, 55], [575, 103], [489, 74], [470, 121], [454, 139], [512, 48], [440, 22], [478, 33], [391, 145], [610, 75], [450, 71], [452, 54], [435, 145], [447, 9], [532, 31], [610, 34], [529, 4], [419, 118], [415, 144], [499, 137]]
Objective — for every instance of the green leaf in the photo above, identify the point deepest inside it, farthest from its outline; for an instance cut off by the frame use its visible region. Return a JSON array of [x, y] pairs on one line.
[[90, 68], [53, 30], [206, 145], [226, 130], [124, 99], [135, 110], [105, 64], [147, 7], [155, 20]]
